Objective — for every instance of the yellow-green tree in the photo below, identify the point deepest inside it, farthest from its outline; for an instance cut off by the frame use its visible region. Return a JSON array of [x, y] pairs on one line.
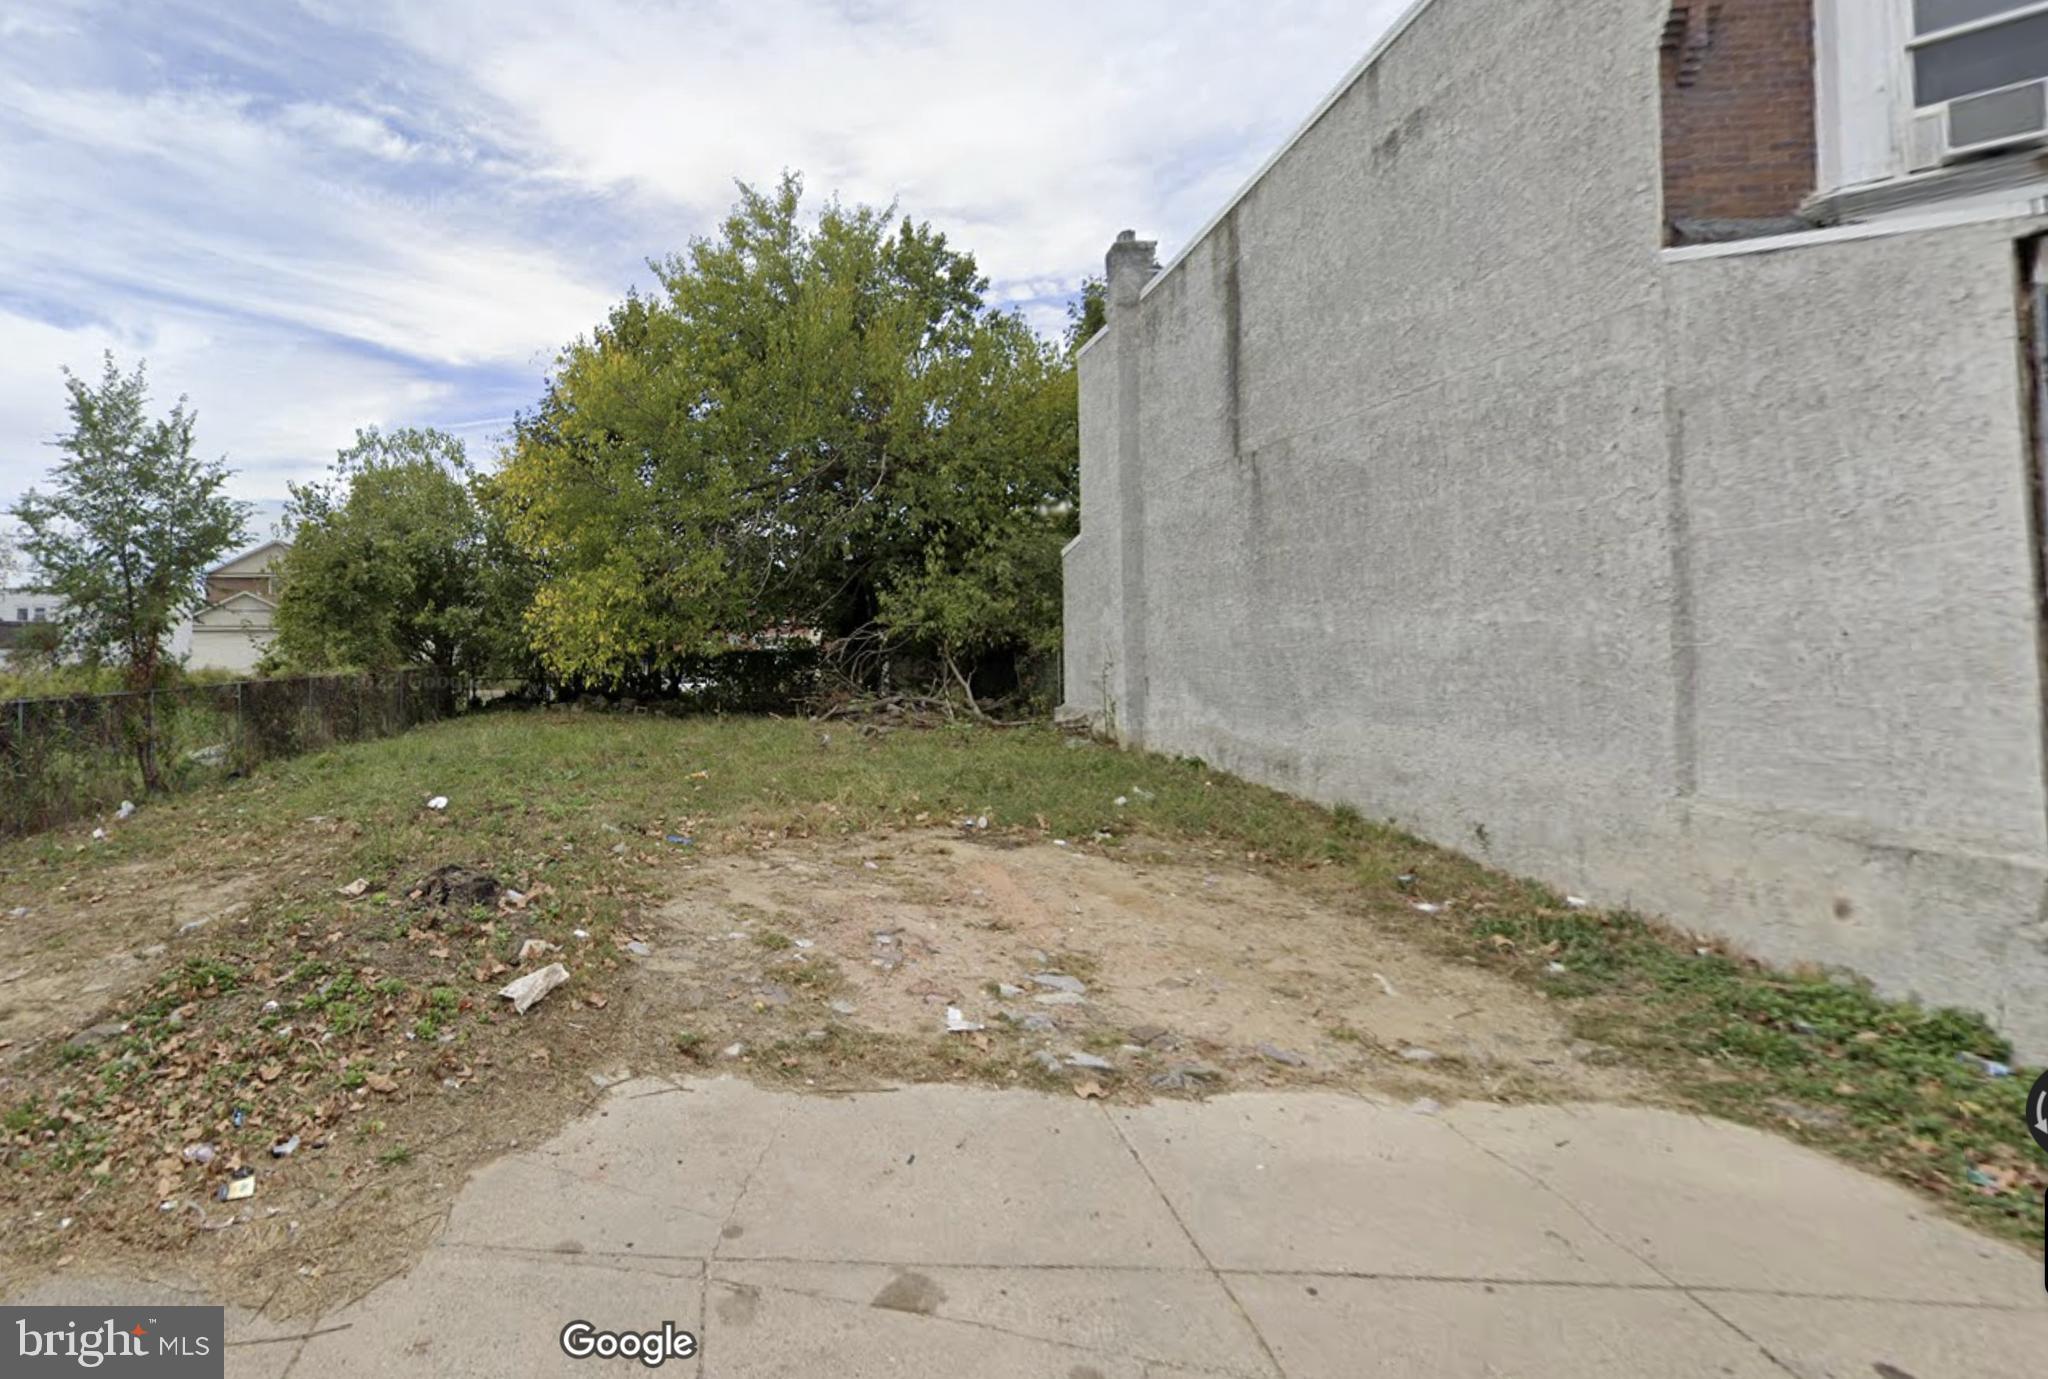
[[818, 424]]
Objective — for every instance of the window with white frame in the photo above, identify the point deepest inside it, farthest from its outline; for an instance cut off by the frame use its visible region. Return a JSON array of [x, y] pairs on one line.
[[1914, 86]]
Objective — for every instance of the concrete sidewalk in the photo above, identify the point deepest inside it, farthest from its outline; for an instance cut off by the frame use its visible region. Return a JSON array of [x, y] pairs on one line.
[[970, 1234]]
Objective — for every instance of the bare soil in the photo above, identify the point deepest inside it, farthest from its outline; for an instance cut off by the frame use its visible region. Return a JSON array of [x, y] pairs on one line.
[[1153, 969]]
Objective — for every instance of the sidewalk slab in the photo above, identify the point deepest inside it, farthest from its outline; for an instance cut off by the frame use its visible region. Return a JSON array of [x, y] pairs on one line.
[[1351, 1328], [947, 1175], [762, 1332], [1161, 1317], [1721, 1205], [1817, 1338], [476, 1314], [1317, 1181]]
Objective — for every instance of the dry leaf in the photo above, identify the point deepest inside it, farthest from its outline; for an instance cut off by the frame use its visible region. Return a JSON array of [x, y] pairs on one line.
[[270, 1072], [378, 1082], [1091, 1090], [595, 1002]]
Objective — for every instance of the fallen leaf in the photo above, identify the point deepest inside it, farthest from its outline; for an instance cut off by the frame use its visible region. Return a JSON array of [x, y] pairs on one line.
[[1090, 1090], [270, 1072], [595, 1002], [378, 1082]]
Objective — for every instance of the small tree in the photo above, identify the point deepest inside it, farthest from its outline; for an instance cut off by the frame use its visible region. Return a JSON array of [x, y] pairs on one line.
[[394, 562], [131, 524]]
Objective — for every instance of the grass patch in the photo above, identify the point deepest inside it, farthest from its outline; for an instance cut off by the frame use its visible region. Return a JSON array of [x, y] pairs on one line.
[[580, 803]]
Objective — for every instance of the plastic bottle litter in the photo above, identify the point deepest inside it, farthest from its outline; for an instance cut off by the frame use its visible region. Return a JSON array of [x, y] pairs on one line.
[[201, 1154], [1987, 1066], [438, 802], [285, 1149]]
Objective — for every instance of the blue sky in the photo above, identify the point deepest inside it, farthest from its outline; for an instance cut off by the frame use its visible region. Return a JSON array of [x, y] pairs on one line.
[[318, 215]]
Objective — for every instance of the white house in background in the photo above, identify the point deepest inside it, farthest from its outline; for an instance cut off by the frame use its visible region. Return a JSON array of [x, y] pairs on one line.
[[236, 626]]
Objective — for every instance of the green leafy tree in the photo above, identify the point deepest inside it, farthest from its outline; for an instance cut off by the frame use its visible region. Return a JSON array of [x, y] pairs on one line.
[[821, 425], [130, 525], [395, 563]]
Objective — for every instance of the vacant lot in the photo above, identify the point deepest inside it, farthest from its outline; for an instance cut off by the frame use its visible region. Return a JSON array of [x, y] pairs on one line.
[[249, 968]]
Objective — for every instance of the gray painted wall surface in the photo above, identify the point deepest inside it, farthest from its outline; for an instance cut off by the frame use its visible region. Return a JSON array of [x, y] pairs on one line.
[[1698, 586]]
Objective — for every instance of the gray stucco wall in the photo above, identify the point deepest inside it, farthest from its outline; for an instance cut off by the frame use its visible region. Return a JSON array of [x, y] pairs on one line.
[[1702, 586]]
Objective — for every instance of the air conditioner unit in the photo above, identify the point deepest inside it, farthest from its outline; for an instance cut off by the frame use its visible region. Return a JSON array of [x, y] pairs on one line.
[[1970, 125]]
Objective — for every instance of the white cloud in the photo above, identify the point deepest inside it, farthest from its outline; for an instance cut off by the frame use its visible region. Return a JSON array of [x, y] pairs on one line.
[[321, 216]]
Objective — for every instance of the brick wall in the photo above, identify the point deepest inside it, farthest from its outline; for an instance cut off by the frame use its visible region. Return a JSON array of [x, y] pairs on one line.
[[1738, 112]]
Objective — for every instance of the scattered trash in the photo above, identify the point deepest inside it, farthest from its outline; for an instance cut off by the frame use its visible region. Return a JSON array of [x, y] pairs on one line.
[[1089, 1090], [191, 926], [1183, 1076], [355, 889], [1806, 1027], [1274, 1054], [1121, 801], [1556, 968], [126, 811], [1414, 1055], [639, 949], [681, 840], [18, 912], [1047, 1059], [1385, 985], [1059, 981], [438, 802], [271, 1007], [285, 1149], [1426, 1106], [870, 866], [1988, 1067], [239, 1187], [1090, 1062], [805, 942], [583, 934], [99, 833], [534, 948], [1576, 902], [240, 1115], [958, 1023], [533, 986], [1059, 842], [1427, 907], [457, 887], [201, 1154], [512, 900], [843, 1007], [733, 1050], [1406, 880], [216, 755], [1008, 992]]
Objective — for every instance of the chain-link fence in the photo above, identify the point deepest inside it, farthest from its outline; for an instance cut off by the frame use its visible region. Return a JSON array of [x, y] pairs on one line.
[[61, 759]]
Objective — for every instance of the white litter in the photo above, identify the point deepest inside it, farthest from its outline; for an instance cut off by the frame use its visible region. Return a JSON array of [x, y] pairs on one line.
[[438, 802], [127, 810], [534, 948], [355, 889], [1557, 967], [1577, 902], [1385, 985], [958, 1023], [1428, 907], [534, 985], [99, 833], [583, 934]]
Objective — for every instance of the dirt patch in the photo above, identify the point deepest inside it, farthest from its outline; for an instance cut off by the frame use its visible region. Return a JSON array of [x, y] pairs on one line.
[[366, 1029], [1172, 971], [69, 960]]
